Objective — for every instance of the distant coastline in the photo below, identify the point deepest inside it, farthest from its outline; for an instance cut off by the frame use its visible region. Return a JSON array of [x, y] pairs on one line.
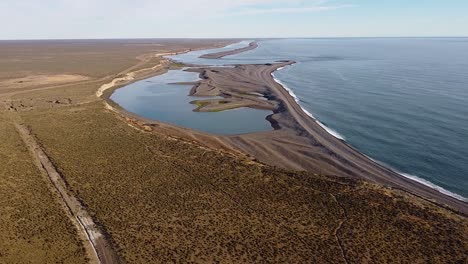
[[218, 55]]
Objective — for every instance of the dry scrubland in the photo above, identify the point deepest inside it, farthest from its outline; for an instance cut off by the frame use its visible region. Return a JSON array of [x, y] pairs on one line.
[[52, 74], [23, 63], [162, 200], [33, 226], [165, 200], [94, 58]]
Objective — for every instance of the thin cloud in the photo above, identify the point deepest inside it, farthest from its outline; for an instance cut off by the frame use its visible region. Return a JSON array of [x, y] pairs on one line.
[[258, 11]]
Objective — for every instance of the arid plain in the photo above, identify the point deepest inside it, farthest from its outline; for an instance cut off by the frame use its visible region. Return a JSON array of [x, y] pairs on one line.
[[83, 182]]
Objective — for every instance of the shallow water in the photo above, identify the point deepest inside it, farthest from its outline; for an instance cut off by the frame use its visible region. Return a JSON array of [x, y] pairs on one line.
[[156, 98]]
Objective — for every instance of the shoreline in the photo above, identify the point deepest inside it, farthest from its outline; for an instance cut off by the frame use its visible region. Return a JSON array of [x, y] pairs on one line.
[[431, 193], [345, 157], [105, 90], [437, 193], [341, 137], [218, 55]]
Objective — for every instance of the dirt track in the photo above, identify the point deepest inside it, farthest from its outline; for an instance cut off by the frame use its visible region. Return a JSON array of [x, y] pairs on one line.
[[98, 248]]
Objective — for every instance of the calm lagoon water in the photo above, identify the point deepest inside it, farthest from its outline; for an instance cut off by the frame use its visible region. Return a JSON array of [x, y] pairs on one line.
[[156, 98], [401, 101]]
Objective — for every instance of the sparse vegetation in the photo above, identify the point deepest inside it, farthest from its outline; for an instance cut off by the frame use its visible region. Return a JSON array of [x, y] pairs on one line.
[[33, 226], [200, 103], [166, 200], [178, 65]]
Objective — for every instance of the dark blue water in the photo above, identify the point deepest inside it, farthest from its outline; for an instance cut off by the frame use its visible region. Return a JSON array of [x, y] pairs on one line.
[[156, 98], [403, 102]]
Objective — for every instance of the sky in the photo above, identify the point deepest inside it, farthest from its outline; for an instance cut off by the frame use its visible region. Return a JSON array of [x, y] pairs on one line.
[[78, 19]]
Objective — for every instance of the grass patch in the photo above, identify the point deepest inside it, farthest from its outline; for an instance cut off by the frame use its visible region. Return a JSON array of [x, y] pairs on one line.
[[178, 65], [200, 103]]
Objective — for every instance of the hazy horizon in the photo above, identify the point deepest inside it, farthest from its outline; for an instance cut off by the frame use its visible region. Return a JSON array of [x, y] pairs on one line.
[[86, 19], [232, 38]]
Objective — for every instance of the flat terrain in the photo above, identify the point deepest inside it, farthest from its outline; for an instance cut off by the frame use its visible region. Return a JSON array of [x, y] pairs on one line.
[[167, 200], [36, 224], [162, 194], [33, 226]]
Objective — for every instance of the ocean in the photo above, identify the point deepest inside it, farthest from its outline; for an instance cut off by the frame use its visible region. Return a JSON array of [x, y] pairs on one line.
[[401, 101]]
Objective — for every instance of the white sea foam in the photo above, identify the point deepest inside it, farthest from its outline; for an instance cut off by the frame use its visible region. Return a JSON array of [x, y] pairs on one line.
[[293, 95], [421, 181], [337, 135], [308, 113], [436, 187], [376, 161], [330, 131]]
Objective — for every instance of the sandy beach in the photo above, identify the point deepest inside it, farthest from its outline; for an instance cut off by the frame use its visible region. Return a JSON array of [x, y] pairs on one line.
[[298, 141]]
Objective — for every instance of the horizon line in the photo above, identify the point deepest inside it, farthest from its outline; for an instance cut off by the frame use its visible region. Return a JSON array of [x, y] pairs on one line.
[[233, 38]]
